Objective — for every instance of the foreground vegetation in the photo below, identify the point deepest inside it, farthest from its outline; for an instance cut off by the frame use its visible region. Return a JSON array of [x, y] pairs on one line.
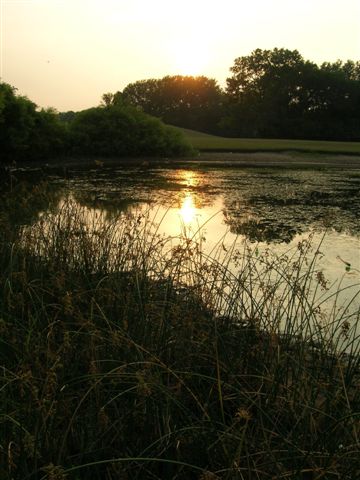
[[128, 355], [207, 143], [28, 134]]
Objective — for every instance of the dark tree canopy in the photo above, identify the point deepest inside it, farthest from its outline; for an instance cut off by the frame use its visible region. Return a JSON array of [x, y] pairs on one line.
[[276, 93], [25, 131], [116, 130], [185, 101], [112, 129], [262, 69], [270, 94]]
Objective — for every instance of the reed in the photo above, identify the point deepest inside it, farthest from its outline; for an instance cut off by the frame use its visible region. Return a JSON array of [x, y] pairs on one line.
[[128, 355]]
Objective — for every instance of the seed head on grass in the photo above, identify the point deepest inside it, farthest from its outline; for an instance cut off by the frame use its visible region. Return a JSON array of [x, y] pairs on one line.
[[54, 472], [125, 345]]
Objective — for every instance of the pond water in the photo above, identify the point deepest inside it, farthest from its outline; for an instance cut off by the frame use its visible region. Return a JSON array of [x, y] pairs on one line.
[[270, 208], [276, 207]]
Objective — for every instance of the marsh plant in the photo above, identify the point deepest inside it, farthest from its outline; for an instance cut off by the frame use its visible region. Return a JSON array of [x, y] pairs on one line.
[[129, 355]]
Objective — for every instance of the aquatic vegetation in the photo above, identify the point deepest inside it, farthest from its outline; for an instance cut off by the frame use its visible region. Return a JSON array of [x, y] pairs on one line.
[[128, 354]]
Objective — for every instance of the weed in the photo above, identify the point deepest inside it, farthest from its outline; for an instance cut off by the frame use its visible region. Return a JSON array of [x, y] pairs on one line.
[[128, 355]]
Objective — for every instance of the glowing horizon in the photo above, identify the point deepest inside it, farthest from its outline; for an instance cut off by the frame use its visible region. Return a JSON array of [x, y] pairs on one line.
[[67, 53]]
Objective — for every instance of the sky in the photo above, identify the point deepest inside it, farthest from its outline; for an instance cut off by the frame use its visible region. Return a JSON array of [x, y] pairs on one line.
[[66, 53]]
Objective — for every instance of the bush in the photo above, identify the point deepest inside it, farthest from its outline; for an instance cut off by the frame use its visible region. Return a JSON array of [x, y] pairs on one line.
[[25, 132], [121, 131]]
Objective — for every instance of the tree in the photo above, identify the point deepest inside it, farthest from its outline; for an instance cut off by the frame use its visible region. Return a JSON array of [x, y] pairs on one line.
[[113, 129], [276, 93], [27, 133], [184, 101], [263, 90], [107, 99], [17, 122]]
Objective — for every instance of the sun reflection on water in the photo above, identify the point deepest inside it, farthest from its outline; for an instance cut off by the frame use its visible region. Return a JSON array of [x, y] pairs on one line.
[[187, 211], [188, 178]]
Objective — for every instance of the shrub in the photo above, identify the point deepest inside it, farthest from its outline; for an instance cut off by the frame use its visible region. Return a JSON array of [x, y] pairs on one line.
[[25, 132], [121, 131]]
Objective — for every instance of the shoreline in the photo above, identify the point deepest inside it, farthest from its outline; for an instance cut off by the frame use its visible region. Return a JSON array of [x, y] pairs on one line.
[[278, 159], [289, 159]]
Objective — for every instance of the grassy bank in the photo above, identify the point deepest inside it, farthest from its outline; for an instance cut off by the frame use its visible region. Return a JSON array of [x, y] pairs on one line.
[[127, 355], [208, 143]]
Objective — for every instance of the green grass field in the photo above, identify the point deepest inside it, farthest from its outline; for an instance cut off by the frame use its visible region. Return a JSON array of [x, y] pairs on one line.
[[205, 142]]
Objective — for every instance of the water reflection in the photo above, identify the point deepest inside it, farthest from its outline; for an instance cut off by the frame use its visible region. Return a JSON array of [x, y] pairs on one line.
[[110, 203], [274, 206], [335, 276], [188, 178], [187, 211], [264, 205]]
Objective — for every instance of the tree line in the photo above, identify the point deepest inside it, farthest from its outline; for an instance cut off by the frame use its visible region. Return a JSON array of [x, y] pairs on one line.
[[28, 133], [270, 94]]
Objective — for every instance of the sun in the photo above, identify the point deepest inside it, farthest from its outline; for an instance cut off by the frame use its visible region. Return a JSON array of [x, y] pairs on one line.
[[190, 58]]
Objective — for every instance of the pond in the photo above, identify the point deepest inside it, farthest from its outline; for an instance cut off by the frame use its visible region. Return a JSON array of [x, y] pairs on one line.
[[271, 209], [276, 207]]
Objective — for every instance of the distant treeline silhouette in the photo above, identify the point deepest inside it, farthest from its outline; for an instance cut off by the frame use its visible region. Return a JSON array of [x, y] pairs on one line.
[[270, 94]]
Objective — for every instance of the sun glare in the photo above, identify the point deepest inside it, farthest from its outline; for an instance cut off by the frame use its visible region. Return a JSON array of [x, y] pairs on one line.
[[187, 211], [189, 178], [189, 57]]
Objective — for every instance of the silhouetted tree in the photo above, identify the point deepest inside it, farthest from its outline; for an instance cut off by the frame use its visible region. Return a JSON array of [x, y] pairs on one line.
[[25, 132], [113, 129], [66, 116], [276, 93], [184, 101], [107, 99], [263, 91]]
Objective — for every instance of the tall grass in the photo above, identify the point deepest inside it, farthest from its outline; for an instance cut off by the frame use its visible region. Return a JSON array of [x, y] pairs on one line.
[[128, 355]]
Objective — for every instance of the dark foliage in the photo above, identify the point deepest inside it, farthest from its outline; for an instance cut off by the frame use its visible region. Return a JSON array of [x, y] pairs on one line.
[[271, 94], [113, 129], [25, 132], [118, 130], [184, 101], [277, 94], [113, 367]]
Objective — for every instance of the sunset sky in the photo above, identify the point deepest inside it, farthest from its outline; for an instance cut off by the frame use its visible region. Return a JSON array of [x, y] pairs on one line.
[[67, 53]]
